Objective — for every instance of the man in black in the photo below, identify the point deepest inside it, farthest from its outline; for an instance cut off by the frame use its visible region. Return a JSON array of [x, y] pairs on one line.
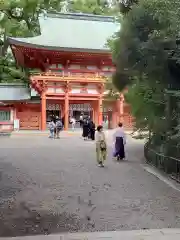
[[92, 129], [85, 129]]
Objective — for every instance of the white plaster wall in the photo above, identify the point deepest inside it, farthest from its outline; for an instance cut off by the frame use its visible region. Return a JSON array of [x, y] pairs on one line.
[[59, 85], [59, 90], [34, 93], [92, 91], [92, 67], [50, 90], [76, 90], [52, 66], [74, 66]]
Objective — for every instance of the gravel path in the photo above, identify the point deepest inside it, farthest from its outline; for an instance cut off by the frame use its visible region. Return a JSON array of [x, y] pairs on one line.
[[49, 186]]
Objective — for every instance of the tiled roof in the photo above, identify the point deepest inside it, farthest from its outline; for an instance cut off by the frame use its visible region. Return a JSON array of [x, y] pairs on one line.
[[12, 92], [72, 31]]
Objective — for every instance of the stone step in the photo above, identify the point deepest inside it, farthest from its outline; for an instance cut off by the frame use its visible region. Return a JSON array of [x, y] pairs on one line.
[[160, 234], [5, 134]]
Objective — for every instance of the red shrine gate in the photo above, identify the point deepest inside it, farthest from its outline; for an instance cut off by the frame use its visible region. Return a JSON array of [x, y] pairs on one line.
[[73, 69]]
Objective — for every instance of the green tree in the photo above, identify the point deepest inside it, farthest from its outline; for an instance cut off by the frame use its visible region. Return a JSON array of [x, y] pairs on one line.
[[98, 7], [142, 51], [126, 5], [19, 19]]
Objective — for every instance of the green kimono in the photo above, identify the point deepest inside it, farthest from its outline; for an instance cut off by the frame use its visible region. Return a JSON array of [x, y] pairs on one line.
[[101, 153]]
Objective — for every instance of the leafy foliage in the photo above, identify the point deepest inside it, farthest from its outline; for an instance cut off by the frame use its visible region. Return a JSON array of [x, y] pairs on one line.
[[97, 7], [148, 105], [143, 51], [126, 5], [19, 19], [112, 91]]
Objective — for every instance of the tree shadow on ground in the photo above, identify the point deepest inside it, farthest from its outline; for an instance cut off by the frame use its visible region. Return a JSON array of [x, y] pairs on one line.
[[35, 223]]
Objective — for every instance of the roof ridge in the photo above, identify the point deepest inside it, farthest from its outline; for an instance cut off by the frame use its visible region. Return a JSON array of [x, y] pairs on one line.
[[81, 16]]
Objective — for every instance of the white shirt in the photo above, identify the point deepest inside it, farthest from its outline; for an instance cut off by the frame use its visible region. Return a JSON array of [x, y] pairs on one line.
[[73, 121], [119, 132], [100, 136]]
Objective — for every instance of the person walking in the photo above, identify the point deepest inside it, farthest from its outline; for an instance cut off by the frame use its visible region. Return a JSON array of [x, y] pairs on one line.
[[92, 130], [81, 120], [85, 129], [101, 146], [73, 123], [119, 139], [52, 126], [89, 127], [59, 126], [54, 119]]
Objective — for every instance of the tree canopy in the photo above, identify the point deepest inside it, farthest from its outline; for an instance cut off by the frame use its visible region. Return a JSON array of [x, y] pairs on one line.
[[97, 7], [19, 19], [143, 51], [126, 5]]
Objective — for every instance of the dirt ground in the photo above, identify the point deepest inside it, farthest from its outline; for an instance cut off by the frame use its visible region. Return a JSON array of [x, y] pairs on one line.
[[51, 186]]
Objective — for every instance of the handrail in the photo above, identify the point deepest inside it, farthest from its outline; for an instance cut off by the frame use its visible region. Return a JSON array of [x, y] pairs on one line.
[[161, 155], [70, 74], [168, 164]]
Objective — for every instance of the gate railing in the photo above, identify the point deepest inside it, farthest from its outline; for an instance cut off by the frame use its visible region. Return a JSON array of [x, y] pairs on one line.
[[167, 164]]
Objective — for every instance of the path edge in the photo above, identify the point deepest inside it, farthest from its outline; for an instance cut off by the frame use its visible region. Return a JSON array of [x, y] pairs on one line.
[[161, 176]]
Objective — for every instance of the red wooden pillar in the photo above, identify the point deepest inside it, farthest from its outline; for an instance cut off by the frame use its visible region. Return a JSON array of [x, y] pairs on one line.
[[93, 115], [60, 110], [63, 111], [94, 112], [109, 119], [43, 111], [100, 110], [66, 110], [121, 108], [114, 114], [15, 111]]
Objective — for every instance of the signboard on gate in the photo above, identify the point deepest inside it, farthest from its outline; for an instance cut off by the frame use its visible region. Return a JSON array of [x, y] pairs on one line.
[[16, 124]]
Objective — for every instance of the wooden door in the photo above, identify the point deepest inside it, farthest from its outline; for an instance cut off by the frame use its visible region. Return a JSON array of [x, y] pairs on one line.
[[29, 120]]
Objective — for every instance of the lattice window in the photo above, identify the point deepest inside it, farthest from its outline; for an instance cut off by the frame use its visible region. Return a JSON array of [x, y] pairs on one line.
[[53, 106], [53, 66], [92, 67], [80, 107], [107, 109], [5, 116]]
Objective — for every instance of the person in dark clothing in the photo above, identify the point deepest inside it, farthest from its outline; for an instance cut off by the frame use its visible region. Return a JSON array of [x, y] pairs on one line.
[[119, 138], [53, 118], [85, 129], [89, 127], [92, 130], [63, 121], [119, 146], [81, 120]]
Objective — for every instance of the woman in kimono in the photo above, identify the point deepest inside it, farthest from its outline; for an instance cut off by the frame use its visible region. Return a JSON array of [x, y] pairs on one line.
[[101, 146], [119, 138]]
